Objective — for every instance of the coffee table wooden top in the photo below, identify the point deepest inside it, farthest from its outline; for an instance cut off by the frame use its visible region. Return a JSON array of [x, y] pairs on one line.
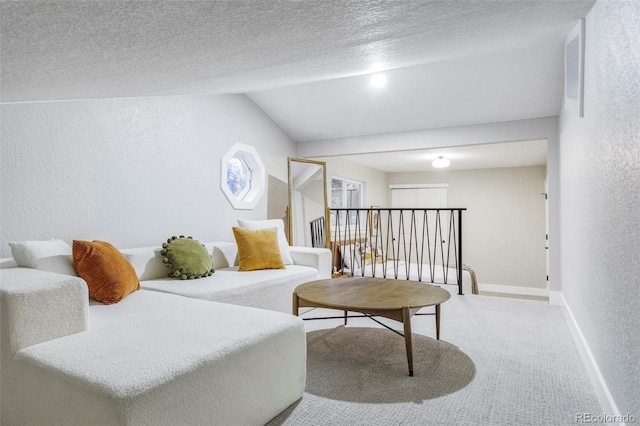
[[371, 293]]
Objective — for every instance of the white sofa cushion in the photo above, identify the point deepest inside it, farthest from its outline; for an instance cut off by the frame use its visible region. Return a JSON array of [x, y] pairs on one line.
[[214, 364], [39, 306], [267, 289], [48, 255], [224, 254], [317, 258], [8, 262], [147, 261]]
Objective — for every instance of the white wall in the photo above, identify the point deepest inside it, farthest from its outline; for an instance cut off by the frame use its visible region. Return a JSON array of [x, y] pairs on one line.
[[129, 171], [600, 205], [376, 186], [504, 225]]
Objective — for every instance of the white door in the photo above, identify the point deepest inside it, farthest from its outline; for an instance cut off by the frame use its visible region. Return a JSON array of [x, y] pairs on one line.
[[404, 198], [546, 228], [411, 234], [432, 198]]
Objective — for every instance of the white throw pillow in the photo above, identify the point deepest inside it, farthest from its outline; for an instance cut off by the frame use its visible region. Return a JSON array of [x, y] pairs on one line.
[[51, 255], [283, 244]]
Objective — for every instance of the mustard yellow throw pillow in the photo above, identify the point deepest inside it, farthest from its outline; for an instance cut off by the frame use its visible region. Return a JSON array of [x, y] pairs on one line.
[[258, 249], [109, 275]]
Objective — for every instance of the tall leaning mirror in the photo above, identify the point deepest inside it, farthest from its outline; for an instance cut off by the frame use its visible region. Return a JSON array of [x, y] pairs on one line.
[[308, 219]]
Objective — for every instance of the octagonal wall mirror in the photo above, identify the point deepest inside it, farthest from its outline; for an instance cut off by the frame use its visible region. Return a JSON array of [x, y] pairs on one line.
[[308, 219]]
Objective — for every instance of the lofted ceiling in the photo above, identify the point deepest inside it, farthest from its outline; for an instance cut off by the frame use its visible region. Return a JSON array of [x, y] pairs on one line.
[[525, 82], [306, 63]]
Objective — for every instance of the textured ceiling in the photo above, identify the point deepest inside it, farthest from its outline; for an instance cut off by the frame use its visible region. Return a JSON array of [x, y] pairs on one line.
[[95, 49], [448, 62]]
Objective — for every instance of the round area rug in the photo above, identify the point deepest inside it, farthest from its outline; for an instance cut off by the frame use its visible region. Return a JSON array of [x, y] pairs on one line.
[[369, 365]]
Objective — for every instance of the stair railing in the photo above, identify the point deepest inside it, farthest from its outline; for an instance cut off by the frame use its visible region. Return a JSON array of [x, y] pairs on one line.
[[419, 240]]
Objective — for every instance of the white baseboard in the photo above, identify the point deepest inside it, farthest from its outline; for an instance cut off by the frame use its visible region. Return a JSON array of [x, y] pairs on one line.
[[529, 291], [605, 399]]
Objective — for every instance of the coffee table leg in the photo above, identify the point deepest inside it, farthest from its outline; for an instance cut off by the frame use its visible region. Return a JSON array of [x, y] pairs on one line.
[[406, 320], [295, 304], [345, 317], [438, 322]]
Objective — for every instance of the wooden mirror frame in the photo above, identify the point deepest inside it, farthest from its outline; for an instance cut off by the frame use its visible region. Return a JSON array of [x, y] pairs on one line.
[[290, 210]]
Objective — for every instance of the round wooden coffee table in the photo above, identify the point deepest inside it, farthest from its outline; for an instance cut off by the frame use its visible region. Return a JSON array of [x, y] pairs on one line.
[[398, 300]]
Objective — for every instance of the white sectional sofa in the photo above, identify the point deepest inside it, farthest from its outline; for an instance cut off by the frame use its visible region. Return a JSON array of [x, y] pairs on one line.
[[156, 357]]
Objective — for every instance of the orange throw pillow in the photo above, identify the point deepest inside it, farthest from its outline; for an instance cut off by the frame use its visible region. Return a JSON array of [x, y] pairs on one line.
[[109, 275], [258, 249]]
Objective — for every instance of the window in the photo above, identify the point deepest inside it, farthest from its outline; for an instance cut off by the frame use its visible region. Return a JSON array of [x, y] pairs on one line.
[[345, 193], [242, 176], [238, 176]]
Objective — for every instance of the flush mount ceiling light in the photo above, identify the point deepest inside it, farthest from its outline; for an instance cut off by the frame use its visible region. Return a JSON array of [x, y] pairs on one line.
[[378, 81], [441, 162]]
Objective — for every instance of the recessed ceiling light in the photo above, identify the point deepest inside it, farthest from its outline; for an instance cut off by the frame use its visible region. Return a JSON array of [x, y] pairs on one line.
[[378, 81], [441, 162]]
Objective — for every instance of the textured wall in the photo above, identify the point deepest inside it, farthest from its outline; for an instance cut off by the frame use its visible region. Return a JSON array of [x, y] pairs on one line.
[[504, 226], [600, 206], [130, 171]]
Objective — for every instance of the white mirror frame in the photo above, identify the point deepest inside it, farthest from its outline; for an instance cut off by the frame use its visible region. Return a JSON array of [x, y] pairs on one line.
[[247, 200]]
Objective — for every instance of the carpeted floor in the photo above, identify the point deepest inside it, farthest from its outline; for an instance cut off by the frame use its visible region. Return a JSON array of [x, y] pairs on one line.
[[499, 361]]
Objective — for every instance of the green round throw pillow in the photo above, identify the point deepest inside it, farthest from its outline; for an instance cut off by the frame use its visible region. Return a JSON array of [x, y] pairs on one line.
[[187, 258]]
